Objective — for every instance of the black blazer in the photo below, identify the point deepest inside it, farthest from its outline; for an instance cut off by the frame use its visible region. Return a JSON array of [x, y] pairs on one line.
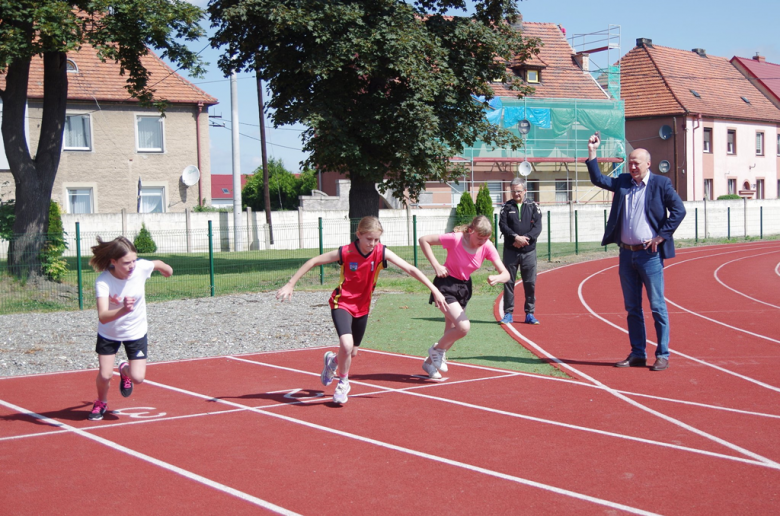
[[660, 198]]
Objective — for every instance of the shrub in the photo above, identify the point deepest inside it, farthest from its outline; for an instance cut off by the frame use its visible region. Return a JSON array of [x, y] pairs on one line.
[[465, 210], [485, 203], [728, 196], [143, 241], [52, 263], [7, 218]]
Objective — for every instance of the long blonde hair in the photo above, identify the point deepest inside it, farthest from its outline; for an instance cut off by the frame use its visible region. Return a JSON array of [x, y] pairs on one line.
[[479, 225], [368, 224]]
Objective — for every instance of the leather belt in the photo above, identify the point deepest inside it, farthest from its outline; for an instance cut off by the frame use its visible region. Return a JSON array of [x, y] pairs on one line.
[[639, 247]]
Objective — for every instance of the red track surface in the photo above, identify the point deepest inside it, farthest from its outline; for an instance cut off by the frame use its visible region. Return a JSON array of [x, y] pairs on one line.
[[254, 434]]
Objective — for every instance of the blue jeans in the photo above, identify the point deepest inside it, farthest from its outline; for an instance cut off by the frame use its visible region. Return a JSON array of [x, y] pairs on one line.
[[638, 268]]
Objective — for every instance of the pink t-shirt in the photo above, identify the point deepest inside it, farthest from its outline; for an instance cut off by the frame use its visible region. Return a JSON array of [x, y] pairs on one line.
[[460, 263]]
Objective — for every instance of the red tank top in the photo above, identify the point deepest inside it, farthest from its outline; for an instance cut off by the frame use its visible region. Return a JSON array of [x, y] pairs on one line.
[[358, 278]]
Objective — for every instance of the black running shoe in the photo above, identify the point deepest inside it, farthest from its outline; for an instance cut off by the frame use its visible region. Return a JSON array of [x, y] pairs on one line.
[[98, 409], [125, 382]]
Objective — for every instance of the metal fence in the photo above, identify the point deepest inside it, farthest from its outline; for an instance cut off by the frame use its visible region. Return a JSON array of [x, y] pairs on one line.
[[205, 262]]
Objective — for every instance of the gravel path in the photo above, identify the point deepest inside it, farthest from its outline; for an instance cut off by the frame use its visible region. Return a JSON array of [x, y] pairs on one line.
[[32, 343]]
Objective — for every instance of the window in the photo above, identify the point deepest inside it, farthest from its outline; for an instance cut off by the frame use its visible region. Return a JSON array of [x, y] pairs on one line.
[[149, 133], [533, 190], [707, 146], [695, 94], [71, 66], [457, 190], [532, 76], [496, 193], [731, 142], [80, 200], [732, 186], [562, 191], [226, 191], [759, 188], [708, 189], [152, 200], [759, 144], [77, 134], [778, 144]]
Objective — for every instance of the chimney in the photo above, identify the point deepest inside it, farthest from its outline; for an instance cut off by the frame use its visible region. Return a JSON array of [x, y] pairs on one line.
[[759, 58], [583, 61], [700, 51], [644, 42]]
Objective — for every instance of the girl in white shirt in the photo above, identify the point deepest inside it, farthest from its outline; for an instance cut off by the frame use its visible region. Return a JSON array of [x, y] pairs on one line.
[[121, 305]]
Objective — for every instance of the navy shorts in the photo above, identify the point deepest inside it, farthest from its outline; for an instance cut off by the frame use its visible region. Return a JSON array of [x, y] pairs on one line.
[[454, 290], [135, 349], [347, 325]]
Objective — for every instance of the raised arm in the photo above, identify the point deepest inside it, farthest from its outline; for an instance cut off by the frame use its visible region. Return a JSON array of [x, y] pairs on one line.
[[425, 244], [414, 272], [286, 291], [164, 269]]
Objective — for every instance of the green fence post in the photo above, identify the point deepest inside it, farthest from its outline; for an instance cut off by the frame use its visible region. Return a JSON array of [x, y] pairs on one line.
[[211, 259], [78, 267], [414, 236], [761, 223], [549, 238], [696, 225], [322, 267], [576, 234], [605, 227], [495, 230], [728, 222]]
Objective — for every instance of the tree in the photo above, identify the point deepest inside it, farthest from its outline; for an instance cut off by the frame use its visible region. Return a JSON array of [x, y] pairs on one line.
[[120, 30], [466, 210], [283, 186], [385, 87]]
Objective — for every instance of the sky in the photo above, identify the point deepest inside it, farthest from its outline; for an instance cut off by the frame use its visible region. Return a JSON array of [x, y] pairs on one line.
[[724, 29]]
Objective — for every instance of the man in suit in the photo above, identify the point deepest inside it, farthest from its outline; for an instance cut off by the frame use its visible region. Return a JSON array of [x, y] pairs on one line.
[[645, 213]]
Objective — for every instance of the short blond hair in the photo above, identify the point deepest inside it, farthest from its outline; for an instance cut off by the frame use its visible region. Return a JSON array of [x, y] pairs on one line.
[[368, 224], [479, 225]]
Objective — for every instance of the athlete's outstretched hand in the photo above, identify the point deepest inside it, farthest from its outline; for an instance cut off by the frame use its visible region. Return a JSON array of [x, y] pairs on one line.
[[285, 292]]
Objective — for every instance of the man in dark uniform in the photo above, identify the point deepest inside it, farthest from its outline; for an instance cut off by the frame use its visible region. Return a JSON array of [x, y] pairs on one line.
[[521, 225]]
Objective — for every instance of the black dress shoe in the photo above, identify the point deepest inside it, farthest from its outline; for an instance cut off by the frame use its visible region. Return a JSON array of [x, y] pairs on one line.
[[660, 364], [632, 362]]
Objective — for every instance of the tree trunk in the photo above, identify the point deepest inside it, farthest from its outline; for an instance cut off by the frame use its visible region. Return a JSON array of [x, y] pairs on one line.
[[34, 177], [363, 201]]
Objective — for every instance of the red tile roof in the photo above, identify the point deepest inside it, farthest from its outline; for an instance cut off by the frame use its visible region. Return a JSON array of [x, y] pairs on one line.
[[102, 81], [763, 73], [659, 81], [561, 78], [220, 181]]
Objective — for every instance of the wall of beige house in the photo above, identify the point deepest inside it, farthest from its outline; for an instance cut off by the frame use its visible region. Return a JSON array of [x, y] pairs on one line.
[[113, 164]]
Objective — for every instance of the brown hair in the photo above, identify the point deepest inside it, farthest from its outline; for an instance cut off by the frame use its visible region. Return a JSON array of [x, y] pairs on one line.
[[104, 252], [369, 223], [479, 224]]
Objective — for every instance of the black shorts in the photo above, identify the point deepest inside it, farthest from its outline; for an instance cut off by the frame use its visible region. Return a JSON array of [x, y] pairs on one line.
[[454, 290], [135, 349], [347, 325]]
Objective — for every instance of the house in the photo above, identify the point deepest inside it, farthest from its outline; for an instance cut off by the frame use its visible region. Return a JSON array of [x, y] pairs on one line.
[[222, 189], [116, 154], [555, 122], [706, 126]]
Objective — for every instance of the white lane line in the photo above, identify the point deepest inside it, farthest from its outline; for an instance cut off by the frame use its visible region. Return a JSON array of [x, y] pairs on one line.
[[169, 467], [717, 278], [409, 451], [413, 391]]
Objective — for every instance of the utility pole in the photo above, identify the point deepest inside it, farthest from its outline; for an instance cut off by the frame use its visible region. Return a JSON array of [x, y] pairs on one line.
[[237, 233], [266, 186]]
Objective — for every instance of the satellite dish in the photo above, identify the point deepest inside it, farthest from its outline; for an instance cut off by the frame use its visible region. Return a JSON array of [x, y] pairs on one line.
[[524, 168], [191, 175], [664, 166], [523, 126], [665, 132]]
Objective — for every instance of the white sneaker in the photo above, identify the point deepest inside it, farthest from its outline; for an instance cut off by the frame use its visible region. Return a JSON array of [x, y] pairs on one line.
[[430, 370], [438, 358], [329, 369], [342, 389]]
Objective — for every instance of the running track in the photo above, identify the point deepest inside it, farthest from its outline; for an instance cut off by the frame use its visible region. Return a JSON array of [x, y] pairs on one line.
[[253, 434]]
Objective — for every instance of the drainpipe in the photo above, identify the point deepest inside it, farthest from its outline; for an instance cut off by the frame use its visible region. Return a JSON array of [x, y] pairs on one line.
[[693, 154], [676, 164], [197, 146]]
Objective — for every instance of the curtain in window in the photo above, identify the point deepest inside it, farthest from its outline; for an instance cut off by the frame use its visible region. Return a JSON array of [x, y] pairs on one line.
[[77, 131], [150, 133], [80, 200], [151, 200]]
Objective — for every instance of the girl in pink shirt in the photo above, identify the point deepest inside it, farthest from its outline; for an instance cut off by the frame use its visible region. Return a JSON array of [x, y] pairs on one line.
[[467, 247]]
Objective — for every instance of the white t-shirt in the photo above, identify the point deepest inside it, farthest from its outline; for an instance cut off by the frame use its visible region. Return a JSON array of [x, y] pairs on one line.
[[131, 326]]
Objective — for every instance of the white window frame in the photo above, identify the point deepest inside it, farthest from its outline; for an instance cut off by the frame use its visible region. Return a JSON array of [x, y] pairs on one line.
[[532, 192], [89, 191], [88, 132], [153, 190], [759, 143], [138, 147], [558, 191], [707, 144], [760, 189], [496, 190], [708, 187], [731, 146], [732, 185]]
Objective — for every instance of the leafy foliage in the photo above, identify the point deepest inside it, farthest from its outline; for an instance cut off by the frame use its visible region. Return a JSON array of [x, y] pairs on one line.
[[7, 220], [484, 202], [386, 87], [728, 197], [143, 241], [283, 186], [466, 210], [53, 264]]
